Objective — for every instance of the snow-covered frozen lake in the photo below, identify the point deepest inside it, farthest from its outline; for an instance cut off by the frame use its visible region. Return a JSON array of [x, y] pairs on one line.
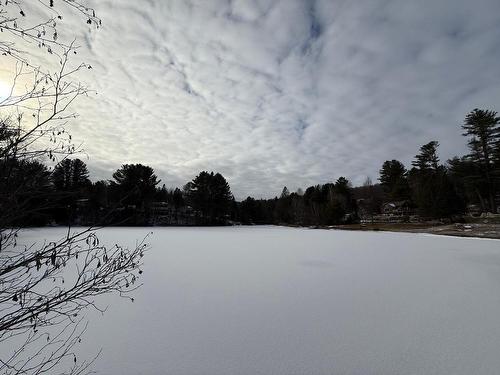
[[283, 301]]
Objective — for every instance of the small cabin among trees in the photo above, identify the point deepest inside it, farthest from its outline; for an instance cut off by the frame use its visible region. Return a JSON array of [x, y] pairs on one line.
[[397, 208]]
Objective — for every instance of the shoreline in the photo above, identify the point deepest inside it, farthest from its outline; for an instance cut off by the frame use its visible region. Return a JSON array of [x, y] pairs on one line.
[[475, 230], [468, 230]]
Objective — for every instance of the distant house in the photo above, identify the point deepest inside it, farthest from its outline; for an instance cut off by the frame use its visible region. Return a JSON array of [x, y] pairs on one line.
[[395, 212], [397, 208]]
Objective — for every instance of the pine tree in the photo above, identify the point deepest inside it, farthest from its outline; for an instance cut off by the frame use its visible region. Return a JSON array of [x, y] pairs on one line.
[[70, 175], [61, 176], [432, 189], [393, 178], [210, 194], [285, 192], [136, 183], [482, 126], [428, 158], [80, 175]]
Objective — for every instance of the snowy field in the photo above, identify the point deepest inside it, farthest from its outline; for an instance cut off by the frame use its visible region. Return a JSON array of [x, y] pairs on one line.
[[283, 301]]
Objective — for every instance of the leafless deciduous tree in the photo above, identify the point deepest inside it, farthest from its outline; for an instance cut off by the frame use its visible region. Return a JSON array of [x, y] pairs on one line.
[[45, 288]]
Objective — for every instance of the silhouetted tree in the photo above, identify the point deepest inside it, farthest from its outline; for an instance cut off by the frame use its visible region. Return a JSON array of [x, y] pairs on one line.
[[100, 212], [134, 187], [343, 202], [178, 198], [162, 194], [393, 177], [80, 177], [70, 177], [467, 177], [427, 159], [482, 126], [62, 175], [283, 212], [136, 183], [285, 193], [433, 191], [211, 195], [26, 195], [314, 202]]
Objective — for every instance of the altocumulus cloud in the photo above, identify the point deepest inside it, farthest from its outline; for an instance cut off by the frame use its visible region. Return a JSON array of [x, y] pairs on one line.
[[290, 92]]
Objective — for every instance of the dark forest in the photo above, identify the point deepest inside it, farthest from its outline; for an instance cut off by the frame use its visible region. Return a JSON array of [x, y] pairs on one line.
[[428, 190]]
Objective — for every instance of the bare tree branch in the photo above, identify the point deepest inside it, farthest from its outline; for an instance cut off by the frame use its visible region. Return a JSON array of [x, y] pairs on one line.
[[45, 288]]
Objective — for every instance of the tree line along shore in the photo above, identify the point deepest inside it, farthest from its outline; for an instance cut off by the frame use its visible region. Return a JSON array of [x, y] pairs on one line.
[[462, 189]]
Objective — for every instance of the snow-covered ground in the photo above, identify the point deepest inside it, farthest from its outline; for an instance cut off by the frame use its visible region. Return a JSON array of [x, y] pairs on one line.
[[282, 301]]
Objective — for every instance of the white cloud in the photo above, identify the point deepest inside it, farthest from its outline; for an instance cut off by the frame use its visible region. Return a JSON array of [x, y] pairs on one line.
[[291, 92]]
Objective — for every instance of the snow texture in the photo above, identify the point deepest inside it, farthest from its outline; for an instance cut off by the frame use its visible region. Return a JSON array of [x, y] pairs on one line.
[[282, 301]]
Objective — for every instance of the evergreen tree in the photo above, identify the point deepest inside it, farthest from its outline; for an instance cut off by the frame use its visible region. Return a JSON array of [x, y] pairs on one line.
[[211, 195], [482, 126], [25, 192], [467, 177], [343, 187], [70, 178], [285, 192], [247, 210], [314, 201], [433, 191], [343, 202], [70, 175], [61, 176], [283, 211], [134, 187], [136, 183], [178, 198], [393, 178], [427, 159], [80, 176], [162, 194]]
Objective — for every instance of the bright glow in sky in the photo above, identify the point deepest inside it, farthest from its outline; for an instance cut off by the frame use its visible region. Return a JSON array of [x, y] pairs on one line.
[[290, 92], [4, 91]]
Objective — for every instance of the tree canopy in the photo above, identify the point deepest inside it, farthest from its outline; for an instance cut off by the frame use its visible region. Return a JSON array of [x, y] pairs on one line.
[[70, 174], [482, 128], [393, 177], [210, 194]]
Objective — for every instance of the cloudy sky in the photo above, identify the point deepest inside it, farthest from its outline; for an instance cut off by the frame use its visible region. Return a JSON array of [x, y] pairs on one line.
[[291, 92]]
